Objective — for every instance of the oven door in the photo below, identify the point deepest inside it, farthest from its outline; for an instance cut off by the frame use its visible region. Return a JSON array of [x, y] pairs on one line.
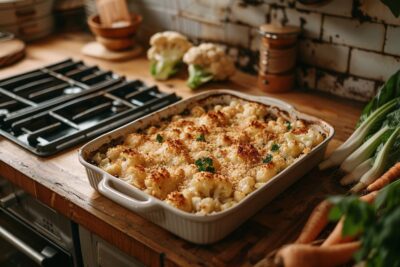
[[21, 246]]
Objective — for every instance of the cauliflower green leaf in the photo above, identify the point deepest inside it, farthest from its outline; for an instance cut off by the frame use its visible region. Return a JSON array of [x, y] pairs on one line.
[[198, 76]]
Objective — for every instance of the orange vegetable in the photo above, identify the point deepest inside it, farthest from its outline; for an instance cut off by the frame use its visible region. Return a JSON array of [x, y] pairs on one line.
[[301, 255], [392, 174], [315, 223], [336, 236]]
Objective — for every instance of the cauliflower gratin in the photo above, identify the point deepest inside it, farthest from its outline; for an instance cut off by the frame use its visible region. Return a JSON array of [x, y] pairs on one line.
[[210, 157]]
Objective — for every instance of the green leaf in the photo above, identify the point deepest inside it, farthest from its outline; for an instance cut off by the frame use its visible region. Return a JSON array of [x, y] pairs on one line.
[[377, 225], [205, 165], [268, 158], [393, 5], [275, 147], [335, 214], [163, 69], [288, 125], [159, 138], [393, 119], [390, 90], [201, 138], [198, 76]]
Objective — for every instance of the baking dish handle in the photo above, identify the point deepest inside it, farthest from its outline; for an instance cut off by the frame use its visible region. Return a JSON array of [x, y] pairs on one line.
[[130, 201], [277, 102]]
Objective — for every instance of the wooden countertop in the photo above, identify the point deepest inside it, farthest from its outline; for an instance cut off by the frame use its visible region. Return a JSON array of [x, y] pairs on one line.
[[60, 181]]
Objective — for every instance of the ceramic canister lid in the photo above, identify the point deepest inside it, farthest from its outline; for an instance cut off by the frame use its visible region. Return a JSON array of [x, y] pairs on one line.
[[274, 31]]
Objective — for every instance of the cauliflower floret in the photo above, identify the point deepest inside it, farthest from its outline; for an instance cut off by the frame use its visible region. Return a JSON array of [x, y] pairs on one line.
[[207, 62], [166, 52]]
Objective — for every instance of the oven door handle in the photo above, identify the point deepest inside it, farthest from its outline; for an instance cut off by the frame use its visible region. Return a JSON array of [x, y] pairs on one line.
[[43, 259]]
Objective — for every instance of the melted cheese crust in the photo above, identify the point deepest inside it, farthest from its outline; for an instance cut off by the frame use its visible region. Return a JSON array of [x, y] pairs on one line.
[[246, 144]]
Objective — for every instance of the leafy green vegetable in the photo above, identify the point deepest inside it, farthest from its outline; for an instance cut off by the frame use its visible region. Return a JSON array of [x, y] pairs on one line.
[[201, 138], [198, 76], [275, 147], [205, 165], [163, 69], [267, 159], [390, 90], [377, 225], [394, 6], [374, 121], [361, 212], [288, 125], [159, 138]]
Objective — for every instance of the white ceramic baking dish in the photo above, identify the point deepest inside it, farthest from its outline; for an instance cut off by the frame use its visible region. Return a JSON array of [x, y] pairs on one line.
[[200, 229]]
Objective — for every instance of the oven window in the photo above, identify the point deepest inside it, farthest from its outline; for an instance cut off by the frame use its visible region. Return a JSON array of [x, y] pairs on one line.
[[10, 257], [21, 246]]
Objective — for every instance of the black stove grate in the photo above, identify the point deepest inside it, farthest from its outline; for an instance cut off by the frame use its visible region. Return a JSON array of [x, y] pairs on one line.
[[39, 113], [51, 85]]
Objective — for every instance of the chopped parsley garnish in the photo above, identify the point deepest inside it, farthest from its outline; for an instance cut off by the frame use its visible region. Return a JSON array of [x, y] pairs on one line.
[[201, 138], [159, 138], [267, 159], [274, 147], [288, 125], [205, 165]]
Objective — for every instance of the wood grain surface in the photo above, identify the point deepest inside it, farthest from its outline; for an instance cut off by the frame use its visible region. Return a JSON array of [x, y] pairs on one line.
[[60, 181]]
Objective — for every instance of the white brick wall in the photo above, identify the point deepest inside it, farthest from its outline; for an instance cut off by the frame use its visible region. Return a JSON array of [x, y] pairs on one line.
[[392, 44], [353, 33], [355, 88], [347, 47], [310, 22], [206, 11], [237, 35], [250, 15], [324, 55], [373, 65], [335, 7]]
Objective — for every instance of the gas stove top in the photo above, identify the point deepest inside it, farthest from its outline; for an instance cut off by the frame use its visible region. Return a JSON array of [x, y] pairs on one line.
[[64, 104]]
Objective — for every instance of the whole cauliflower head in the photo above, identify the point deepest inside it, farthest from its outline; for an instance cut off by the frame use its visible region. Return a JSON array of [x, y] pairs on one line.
[[208, 62], [166, 53]]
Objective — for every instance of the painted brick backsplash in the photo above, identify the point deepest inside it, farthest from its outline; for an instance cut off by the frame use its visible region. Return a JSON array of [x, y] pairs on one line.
[[310, 22], [354, 33], [349, 87], [392, 44], [324, 55], [251, 15], [333, 7], [347, 47], [373, 65]]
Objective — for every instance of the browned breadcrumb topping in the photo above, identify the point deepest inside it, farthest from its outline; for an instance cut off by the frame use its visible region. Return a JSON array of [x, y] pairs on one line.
[[211, 157]]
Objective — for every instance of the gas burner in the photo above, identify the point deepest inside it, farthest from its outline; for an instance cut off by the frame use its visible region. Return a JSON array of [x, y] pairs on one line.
[[59, 106]]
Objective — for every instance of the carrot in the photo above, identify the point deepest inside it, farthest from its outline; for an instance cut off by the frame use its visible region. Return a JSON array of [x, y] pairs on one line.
[[315, 223], [336, 236], [392, 174], [301, 255], [370, 197]]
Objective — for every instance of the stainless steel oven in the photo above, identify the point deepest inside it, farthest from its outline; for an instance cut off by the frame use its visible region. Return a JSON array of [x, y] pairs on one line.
[[32, 234]]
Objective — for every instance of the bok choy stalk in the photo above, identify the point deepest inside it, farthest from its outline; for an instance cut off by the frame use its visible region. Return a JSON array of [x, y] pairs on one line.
[[365, 151], [359, 135], [359, 171], [369, 148], [380, 164]]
